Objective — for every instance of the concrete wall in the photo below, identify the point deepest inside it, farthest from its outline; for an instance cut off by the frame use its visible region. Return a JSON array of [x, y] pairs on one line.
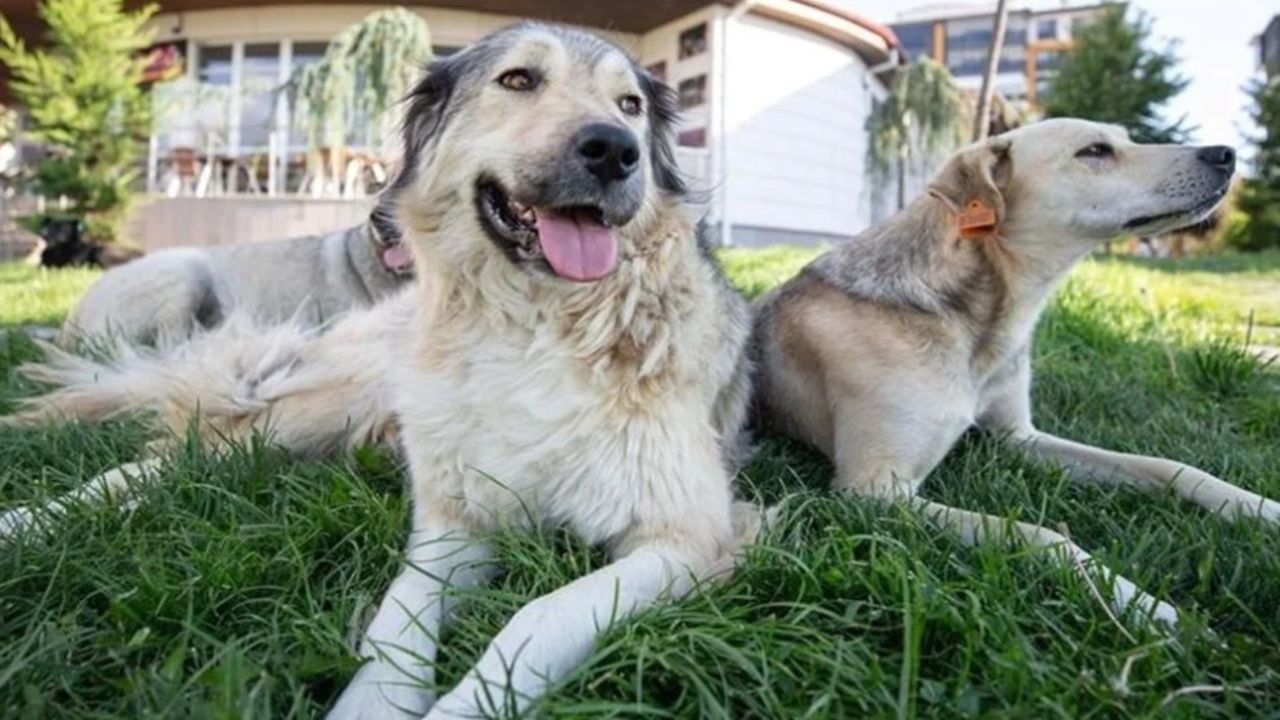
[[797, 106], [173, 222]]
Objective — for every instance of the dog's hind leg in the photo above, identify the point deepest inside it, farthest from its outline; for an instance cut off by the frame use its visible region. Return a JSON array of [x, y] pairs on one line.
[[1009, 410], [400, 643], [117, 485], [976, 528], [1088, 463]]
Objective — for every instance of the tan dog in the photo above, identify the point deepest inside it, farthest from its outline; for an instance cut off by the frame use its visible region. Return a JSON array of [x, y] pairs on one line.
[[570, 355], [884, 351]]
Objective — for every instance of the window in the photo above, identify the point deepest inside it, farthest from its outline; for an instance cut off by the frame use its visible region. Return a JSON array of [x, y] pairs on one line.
[[1048, 61], [215, 64], [693, 92], [969, 41], [308, 53], [1047, 29], [208, 125], [304, 54], [259, 80], [916, 39], [693, 41], [694, 138]]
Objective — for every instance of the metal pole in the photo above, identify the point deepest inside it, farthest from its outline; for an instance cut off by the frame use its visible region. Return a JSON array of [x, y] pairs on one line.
[[982, 118]]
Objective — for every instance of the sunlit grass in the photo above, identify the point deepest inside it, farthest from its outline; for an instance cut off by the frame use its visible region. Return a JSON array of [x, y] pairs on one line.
[[32, 295], [232, 591]]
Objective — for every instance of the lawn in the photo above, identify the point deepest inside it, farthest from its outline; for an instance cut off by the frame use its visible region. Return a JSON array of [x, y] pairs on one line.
[[234, 589]]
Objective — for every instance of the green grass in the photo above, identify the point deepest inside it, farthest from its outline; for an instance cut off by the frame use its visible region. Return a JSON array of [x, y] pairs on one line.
[[32, 295], [232, 591]]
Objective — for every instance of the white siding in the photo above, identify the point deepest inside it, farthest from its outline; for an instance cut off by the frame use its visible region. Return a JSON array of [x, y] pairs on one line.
[[796, 111]]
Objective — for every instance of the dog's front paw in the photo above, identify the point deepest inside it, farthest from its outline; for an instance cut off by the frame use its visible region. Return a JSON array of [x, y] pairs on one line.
[[381, 691]]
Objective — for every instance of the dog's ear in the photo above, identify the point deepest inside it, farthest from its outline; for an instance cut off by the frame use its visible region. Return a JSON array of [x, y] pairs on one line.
[[426, 113], [663, 113], [972, 185]]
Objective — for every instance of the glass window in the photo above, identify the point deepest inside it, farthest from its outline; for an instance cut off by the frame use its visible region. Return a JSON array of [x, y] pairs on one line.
[[693, 91], [969, 41], [210, 99], [1047, 29], [215, 64], [304, 54], [259, 80], [308, 53], [916, 39], [693, 41]]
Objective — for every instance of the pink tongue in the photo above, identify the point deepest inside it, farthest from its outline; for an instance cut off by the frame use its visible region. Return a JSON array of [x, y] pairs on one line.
[[577, 246], [397, 257]]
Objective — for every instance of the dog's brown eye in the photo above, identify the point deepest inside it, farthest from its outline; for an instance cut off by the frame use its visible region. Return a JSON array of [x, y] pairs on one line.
[[631, 104], [518, 80], [1097, 150]]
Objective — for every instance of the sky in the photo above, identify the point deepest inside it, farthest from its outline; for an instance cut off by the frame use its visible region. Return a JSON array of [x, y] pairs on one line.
[[1214, 44]]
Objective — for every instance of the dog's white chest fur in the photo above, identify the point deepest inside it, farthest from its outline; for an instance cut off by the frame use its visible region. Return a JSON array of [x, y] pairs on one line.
[[520, 430]]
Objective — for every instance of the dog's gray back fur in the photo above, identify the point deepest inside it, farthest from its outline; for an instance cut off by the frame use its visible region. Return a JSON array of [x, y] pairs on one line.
[[168, 295]]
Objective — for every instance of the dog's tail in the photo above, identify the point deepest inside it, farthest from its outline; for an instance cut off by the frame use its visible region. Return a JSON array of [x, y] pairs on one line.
[[309, 391]]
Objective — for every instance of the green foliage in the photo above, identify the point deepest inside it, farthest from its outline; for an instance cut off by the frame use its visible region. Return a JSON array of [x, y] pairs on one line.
[[8, 124], [365, 70], [1114, 75], [1259, 197], [83, 96], [924, 115]]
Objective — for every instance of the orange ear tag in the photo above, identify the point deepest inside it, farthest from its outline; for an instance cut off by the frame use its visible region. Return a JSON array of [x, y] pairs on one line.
[[977, 220]]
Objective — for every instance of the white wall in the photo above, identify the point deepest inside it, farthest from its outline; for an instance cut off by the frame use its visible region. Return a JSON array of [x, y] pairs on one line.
[[324, 20], [796, 110]]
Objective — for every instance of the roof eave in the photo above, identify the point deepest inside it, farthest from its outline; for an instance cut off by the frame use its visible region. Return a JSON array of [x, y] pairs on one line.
[[872, 42]]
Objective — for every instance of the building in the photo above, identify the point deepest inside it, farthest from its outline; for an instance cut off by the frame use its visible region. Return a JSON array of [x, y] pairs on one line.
[[1269, 47], [959, 36], [775, 95]]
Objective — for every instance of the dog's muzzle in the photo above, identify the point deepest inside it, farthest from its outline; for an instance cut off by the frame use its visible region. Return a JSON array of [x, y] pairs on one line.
[[1200, 191], [565, 221]]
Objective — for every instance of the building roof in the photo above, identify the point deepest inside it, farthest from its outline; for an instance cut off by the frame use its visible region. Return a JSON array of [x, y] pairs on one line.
[[633, 17], [875, 43], [971, 10], [623, 16]]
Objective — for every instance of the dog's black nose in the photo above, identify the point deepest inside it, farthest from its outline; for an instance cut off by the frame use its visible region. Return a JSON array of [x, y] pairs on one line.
[[1220, 157], [609, 152]]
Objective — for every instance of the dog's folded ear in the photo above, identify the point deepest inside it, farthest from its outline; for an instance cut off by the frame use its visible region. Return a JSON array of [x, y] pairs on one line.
[[664, 113], [425, 116], [972, 186]]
